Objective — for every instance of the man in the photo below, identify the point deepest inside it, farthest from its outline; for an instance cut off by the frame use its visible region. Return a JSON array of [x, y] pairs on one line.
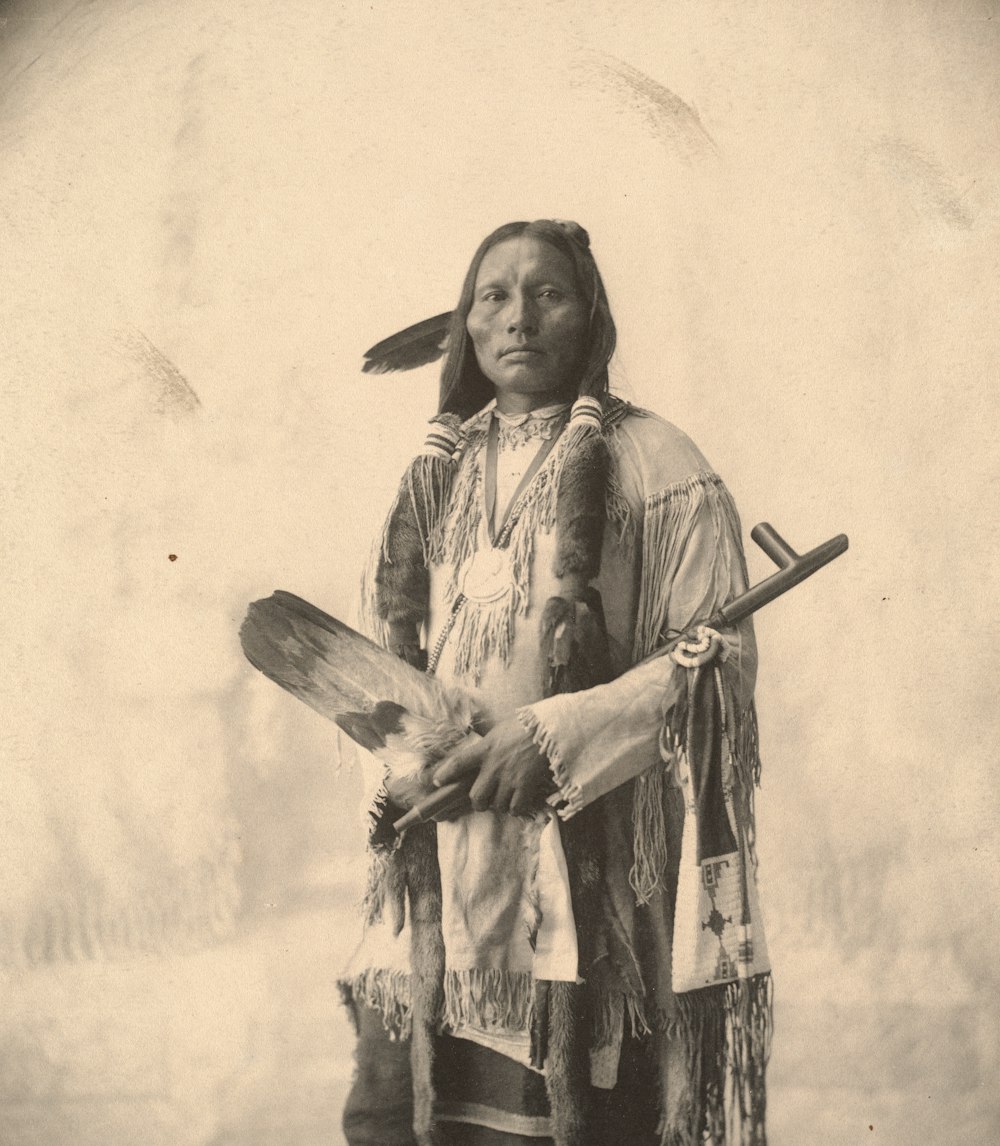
[[579, 965]]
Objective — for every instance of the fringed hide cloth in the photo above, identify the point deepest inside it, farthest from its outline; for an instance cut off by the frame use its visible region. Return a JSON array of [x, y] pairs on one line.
[[628, 915]]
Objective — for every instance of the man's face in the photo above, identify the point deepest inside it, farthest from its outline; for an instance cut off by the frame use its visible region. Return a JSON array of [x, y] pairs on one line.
[[528, 323]]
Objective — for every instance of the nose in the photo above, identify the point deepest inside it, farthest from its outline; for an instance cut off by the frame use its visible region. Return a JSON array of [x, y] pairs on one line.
[[522, 317]]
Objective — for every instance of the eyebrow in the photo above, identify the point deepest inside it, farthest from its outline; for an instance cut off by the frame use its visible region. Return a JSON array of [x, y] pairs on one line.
[[495, 284]]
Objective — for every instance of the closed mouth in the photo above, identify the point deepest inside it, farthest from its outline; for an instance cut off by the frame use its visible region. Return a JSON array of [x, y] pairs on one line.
[[520, 350]]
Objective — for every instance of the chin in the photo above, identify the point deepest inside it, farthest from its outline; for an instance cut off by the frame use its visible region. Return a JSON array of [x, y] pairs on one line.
[[529, 382]]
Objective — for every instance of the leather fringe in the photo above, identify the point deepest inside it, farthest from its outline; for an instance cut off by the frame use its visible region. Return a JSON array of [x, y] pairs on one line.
[[579, 461], [488, 997], [570, 793], [411, 540], [668, 520], [619, 512], [669, 517], [651, 853], [395, 588], [610, 1008], [727, 1037], [747, 750], [746, 776], [402, 578], [388, 992], [719, 1037]]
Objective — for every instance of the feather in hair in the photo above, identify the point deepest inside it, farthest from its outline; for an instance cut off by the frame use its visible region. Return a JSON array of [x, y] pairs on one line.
[[415, 346]]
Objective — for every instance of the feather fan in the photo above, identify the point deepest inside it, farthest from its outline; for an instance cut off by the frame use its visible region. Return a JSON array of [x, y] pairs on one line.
[[409, 746], [415, 346], [405, 718]]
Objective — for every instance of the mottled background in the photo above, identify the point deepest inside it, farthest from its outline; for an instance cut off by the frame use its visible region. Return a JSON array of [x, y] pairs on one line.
[[209, 209]]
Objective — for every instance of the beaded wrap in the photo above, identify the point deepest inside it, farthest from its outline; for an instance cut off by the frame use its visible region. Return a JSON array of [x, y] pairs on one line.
[[442, 439], [587, 411]]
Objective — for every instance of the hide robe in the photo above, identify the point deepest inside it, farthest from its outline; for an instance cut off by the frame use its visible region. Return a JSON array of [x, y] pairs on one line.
[[550, 938]]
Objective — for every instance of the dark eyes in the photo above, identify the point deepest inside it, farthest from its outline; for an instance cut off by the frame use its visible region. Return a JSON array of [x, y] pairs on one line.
[[549, 293]]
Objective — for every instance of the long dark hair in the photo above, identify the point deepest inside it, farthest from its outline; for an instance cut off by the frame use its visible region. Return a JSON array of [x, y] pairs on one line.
[[464, 387]]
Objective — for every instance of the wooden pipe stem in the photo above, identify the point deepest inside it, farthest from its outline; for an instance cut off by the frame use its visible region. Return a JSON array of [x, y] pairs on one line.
[[793, 570], [449, 797]]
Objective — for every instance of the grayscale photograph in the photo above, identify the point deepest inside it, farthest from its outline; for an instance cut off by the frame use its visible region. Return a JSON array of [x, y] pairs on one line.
[[500, 620]]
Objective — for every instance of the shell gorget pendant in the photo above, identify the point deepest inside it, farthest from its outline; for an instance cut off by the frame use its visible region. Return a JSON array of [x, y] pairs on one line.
[[486, 576]]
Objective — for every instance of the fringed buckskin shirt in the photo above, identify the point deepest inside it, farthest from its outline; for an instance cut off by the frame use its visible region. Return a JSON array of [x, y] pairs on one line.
[[672, 555]]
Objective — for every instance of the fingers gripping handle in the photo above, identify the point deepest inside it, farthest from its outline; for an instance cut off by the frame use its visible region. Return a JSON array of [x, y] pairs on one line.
[[792, 568], [448, 798]]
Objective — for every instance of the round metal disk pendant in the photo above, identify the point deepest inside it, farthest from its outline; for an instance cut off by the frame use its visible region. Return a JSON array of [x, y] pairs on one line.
[[487, 575]]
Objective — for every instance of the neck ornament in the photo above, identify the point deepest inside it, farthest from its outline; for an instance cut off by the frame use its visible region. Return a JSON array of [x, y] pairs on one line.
[[518, 430]]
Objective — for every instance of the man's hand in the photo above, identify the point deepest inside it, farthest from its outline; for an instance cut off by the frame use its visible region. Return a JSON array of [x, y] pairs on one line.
[[513, 774], [407, 790]]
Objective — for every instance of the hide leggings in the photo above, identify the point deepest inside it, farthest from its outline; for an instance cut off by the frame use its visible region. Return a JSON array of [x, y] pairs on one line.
[[379, 1108]]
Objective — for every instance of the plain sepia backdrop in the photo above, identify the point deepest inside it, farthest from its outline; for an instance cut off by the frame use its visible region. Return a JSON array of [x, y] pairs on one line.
[[208, 210]]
